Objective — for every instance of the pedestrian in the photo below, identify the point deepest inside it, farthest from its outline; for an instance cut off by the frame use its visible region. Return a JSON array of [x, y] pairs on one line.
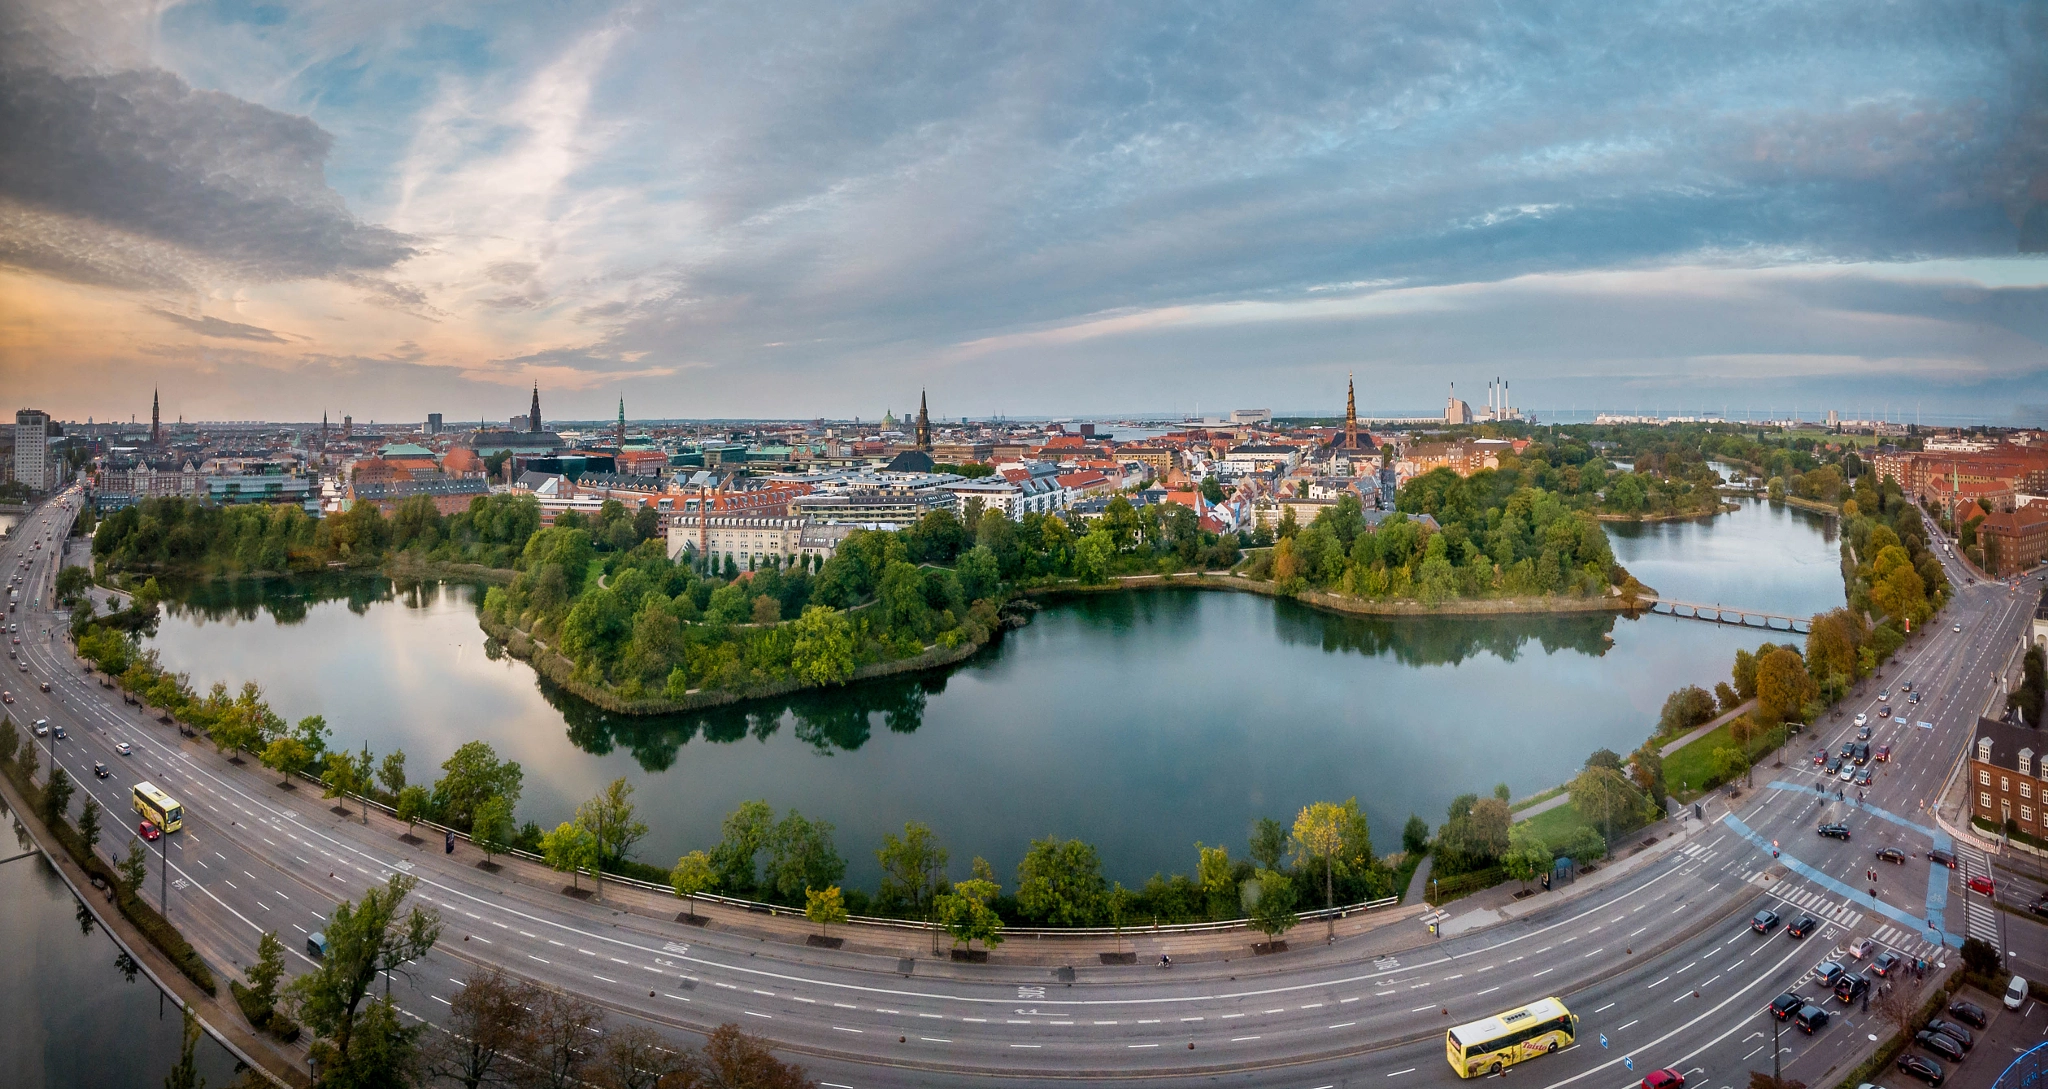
[[449, 847]]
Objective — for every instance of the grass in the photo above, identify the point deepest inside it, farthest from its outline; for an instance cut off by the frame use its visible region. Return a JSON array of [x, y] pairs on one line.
[[1535, 798], [1556, 825], [1689, 772]]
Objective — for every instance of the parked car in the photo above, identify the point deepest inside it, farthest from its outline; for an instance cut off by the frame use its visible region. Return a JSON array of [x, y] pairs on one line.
[[1962, 1035], [1940, 1044], [1810, 1017], [1981, 884], [1802, 926], [1667, 1078], [1942, 857], [1862, 947], [1884, 962], [1968, 1012], [1764, 921], [1922, 1067], [1892, 855], [1834, 831], [2015, 993], [1787, 1004]]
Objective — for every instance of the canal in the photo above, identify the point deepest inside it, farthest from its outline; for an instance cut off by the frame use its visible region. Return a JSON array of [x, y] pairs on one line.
[[1141, 722]]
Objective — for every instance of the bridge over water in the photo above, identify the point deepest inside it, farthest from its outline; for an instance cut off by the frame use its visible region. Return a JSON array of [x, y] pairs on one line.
[[1728, 614]]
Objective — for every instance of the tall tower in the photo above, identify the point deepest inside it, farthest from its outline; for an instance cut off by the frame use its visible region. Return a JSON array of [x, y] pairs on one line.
[[533, 414], [621, 428], [1350, 413], [156, 419], [924, 424]]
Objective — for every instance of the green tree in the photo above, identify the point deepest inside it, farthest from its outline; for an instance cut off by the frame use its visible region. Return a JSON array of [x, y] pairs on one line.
[[1092, 556], [801, 855], [1744, 675], [56, 797], [268, 969], [1981, 958], [1060, 883], [473, 774], [391, 772], [823, 652], [965, 913], [692, 874], [1606, 798], [311, 732], [412, 806], [611, 820], [1729, 763], [824, 907], [134, 868], [570, 849], [1782, 685], [1318, 836], [912, 868], [354, 1045], [1684, 709], [185, 1072], [745, 834], [491, 831], [349, 773], [1415, 835], [1268, 843], [1269, 903], [287, 756], [89, 824]]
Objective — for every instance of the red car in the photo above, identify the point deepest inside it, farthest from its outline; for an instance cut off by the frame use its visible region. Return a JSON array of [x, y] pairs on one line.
[[1667, 1078], [149, 831], [1884, 754], [1981, 884]]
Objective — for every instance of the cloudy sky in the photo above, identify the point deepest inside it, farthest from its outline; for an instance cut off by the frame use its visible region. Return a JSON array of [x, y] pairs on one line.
[[766, 208]]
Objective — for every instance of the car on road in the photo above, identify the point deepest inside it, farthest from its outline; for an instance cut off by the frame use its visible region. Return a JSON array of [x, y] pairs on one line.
[[1820, 758], [1981, 884], [1864, 776], [45, 686], [1962, 1035], [1941, 1044], [123, 748], [1862, 719], [148, 831], [2039, 906], [99, 770], [1883, 754], [1764, 921], [1810, 1018], [1914, 698], [1850, 987], [1826, 973], [1862, 947], [1942, 857], [41, 727], [1834, 767], [1884, 696], [58, 731], [1667, 1078], [1892, 855], [1848, 773], [1884, 962], [6, 697], [1787, 1004], [1802, 926], [1922, 1067], [1834, 831], [1860, 753], [316, 945], [2015, 993], [1862, 732]]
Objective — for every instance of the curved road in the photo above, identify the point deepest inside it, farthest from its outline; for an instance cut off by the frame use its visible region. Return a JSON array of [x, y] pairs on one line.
[[1657, 957]]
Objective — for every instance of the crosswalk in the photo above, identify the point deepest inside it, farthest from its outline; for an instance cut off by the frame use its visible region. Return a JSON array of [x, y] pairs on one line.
[[1979, 920], [1833, 909], [1818, 904]]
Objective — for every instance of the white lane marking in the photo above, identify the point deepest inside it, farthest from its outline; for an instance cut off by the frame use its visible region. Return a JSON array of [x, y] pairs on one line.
[[1487, 991], [1135, 1046], [530, 956], [1398, 1073], [858, 1032]]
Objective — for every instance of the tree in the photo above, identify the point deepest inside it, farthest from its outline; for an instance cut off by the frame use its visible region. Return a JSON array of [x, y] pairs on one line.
[[1318, 834], [1415, 835], [487, 1024], [912, 868], [134, 868], [823, 652], [1729, 763], [1745, 674], [1475, 834], [473, 774], [268, 969], [965, 913], [1092, 556], [570, 849], [185, 1072], [636, 1057], [1060, 882], [611, 820], [56, 797], [731, 1058], [1269, 904], [1782, 685], [392, 771], [1980, 957], [1646, 768], [412, 806], [824, 907], [1685, 709], [801, 855], [1268, 843], [491, 831], [89, 824], [560, 1041], [312, 733], [1606, 798], [349, 773], [745, 832], [363, 941], [692, 874], [1726, 695], [287, 756]]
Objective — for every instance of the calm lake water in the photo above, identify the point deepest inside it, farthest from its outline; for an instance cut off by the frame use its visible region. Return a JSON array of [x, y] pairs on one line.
[[73, 1017], [1142, 722]]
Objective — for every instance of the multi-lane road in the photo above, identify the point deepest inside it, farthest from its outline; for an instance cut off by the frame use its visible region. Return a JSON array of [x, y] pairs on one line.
[[1659, 959]]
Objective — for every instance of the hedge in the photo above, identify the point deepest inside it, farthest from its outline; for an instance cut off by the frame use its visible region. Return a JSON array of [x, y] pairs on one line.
[[146, 919], [264, 1018]]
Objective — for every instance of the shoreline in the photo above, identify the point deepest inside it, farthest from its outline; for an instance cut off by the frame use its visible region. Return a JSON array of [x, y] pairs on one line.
[[1624, 519], [1351, 606]]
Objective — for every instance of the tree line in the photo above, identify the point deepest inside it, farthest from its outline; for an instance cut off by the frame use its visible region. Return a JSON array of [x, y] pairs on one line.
[[188, 538]]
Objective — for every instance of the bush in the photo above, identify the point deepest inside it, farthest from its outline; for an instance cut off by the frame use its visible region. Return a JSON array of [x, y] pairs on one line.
[[264, 1019]]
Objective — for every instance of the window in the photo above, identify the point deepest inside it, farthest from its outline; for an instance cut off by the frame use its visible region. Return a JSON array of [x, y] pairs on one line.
[[1983, 777], [2026, 789], [2004, 784], [2027, 813], [1984, 801]]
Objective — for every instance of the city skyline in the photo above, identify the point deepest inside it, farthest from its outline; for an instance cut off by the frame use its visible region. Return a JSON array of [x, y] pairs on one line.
[[766, 214]]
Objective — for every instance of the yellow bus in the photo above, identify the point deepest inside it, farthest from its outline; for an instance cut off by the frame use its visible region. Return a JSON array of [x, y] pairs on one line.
[[1501, 1041], [159, 808]]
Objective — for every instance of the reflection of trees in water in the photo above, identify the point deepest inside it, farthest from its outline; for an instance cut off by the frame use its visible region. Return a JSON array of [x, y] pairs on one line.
[[288, 600], [1427, 641], [828, 720]]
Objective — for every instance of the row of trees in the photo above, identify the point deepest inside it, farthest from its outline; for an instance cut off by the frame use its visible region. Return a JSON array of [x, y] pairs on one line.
[[189, 538]]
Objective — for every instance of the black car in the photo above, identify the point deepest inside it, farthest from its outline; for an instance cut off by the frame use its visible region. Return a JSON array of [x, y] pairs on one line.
[[1810, 1018], [1957, 1032], [2039, 906], [1942, 1045], [1922, 1067], [1968, 1013], [1764, 922], [1884, 962], [1802, 926], [1863, 733], [1834, 767], [99, 770], [1850, 987], [1787, 1004], [1942, 857], [1892, 855], [1834, 831]]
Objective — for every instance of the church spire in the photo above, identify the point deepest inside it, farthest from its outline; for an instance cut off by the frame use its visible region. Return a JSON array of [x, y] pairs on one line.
[[1350, 413], [924, 424], [533, 414], [622, 425], [156, 421]]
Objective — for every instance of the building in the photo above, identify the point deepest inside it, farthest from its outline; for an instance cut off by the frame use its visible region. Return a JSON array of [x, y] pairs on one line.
[[884, 506], [2006, 776], [2014, 540], [1254, 458], [746, 540], [1456, 411], [433, 423], [2040, 625], [35, 464], [451, 495]]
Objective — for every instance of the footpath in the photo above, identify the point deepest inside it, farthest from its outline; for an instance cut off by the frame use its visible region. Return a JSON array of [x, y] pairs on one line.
[[1669, 747]]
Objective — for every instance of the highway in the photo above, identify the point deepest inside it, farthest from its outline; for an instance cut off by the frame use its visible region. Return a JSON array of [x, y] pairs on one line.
[[1659, 960]]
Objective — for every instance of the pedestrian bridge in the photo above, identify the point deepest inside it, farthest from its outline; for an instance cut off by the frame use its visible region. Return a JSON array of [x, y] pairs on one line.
[[1727, 614]]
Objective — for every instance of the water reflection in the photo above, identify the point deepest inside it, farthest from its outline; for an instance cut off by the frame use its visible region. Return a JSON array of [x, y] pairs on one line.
[[289, 600]]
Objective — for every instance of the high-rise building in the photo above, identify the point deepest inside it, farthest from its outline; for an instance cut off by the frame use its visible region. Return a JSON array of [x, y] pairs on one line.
[[433, 423], [1456, 411], [32, 465], [348, 426]]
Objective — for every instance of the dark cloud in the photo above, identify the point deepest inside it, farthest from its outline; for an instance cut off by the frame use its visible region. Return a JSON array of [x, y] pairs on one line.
[[158, 180], [217, 327]]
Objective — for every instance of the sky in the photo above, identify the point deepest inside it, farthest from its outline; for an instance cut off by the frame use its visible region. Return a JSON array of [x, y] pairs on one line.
[[811, 208]]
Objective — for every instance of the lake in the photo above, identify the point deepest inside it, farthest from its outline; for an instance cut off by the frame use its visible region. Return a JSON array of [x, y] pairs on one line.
[[1141, 721]]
